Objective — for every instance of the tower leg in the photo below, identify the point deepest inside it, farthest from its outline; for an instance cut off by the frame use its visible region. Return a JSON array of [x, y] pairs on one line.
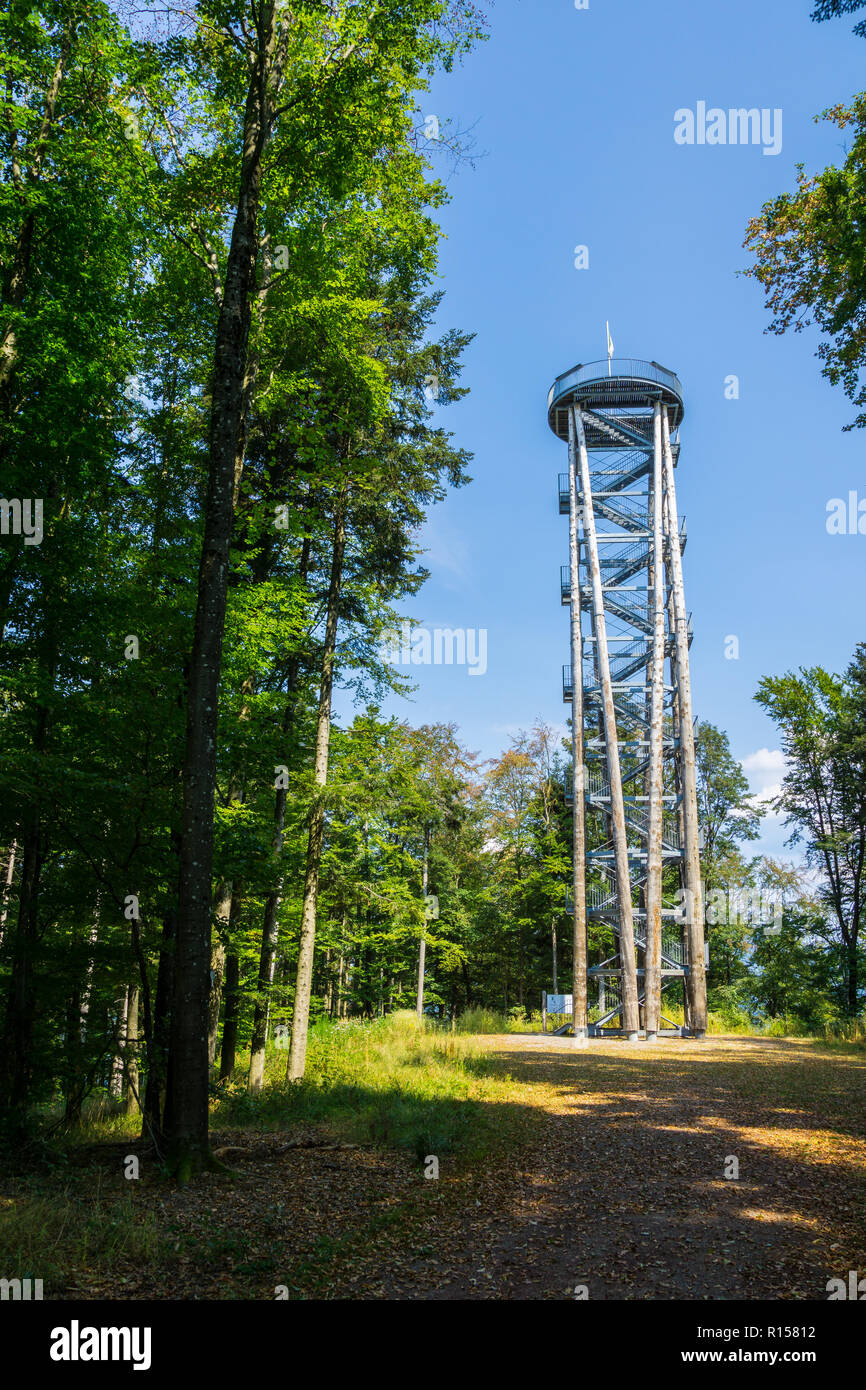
[[696, 979], [653, 955], [630, 1010], [578, 799]]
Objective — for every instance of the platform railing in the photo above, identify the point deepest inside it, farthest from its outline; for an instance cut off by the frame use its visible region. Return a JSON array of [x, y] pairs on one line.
[[630, 368]]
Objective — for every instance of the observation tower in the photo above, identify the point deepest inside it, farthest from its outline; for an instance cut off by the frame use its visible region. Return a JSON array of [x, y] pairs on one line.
[[633, 788]]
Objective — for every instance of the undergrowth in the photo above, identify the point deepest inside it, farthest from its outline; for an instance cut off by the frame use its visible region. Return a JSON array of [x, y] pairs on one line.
[[396, 1082]]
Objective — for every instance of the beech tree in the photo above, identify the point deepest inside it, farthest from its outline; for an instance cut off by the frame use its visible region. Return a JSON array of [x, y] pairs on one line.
[[807, 247], [332, 81], [73, 220], [822, 719]]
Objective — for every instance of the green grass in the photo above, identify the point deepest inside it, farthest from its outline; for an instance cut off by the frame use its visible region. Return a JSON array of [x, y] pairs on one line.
[[395, 1082], [45, 1236], [489, 1021], [837, 1031], [719, 1021]]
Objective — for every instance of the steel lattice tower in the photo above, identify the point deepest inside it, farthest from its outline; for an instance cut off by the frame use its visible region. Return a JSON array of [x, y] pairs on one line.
[[633, 786]]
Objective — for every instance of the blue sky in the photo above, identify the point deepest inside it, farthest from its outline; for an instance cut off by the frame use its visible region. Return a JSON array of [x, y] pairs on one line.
[[573, 111]]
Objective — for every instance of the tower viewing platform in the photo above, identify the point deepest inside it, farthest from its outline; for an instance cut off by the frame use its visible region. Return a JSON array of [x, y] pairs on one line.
[[627, 388]]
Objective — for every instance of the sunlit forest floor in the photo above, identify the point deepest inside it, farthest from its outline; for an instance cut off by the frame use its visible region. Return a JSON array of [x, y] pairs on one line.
[[561, 1169]]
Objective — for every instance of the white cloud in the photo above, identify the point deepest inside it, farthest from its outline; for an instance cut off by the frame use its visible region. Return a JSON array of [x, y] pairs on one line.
[[763, 765], [764, 769]]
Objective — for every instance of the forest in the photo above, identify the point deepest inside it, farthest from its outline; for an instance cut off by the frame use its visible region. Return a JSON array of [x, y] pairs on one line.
[[219, 375]]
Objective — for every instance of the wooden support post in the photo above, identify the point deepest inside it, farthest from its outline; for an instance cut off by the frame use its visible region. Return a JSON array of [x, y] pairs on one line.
[[678, 781], [696, 979], [578, 842], [653, 953], [630, 1009]]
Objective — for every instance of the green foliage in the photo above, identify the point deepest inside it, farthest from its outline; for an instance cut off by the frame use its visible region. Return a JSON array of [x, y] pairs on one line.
[[808, 257], [822, 719], [395, 1082], [832, 9], [479, 1020], [120, 178]]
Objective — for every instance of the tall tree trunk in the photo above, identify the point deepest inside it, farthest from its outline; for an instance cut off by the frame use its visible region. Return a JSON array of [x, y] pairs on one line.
[[16, 1054], [7, 888], [217, 969], [188, 1148], [88, 973], [270, 922], [74, 1093], [422, 948], [227, 911], [230, 1016], [467, 984], [261, 1015], [329, 985], [217, 972], [115, 1085], [156, 1087], [131, 1063], [301, 1012], [341, 969], [853, 978], [337, 996]]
